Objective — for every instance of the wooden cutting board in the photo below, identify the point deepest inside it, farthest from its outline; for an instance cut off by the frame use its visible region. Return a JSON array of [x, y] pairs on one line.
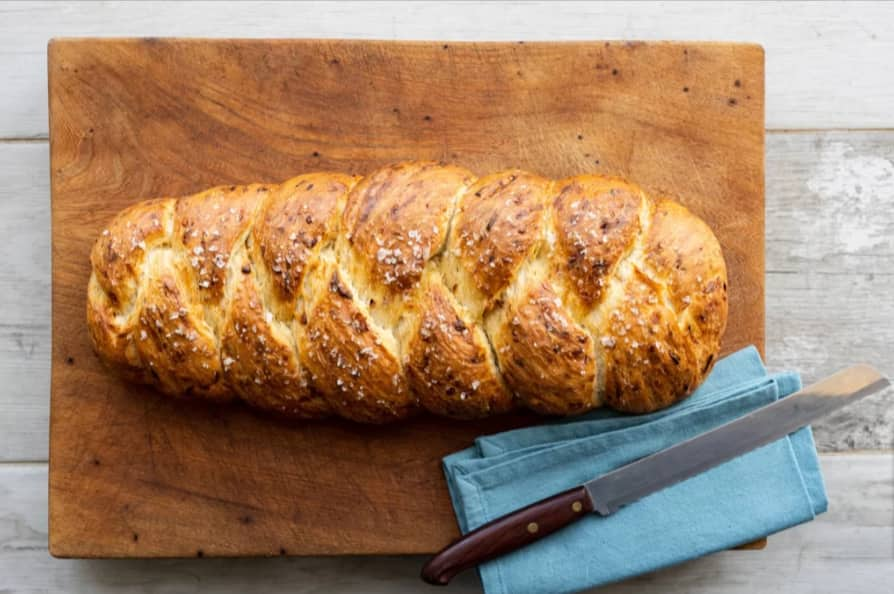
[[134, 474]]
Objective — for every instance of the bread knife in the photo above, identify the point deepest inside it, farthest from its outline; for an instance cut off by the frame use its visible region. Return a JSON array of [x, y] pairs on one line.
[[605, 494]]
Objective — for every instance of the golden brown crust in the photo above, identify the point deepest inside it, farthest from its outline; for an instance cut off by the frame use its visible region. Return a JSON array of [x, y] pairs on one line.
[[296, 217], [112, 339], [648, 360], [449, 364], [121, 248], [682, 250], [395, 219], [173, 340], [207, 226], [498, 223], [259, 359], [360, 377], [666, 317], [546, 358], [596, 221], [415, 287]]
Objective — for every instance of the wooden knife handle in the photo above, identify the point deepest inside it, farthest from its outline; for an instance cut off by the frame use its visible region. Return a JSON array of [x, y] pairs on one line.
[[508, 533]]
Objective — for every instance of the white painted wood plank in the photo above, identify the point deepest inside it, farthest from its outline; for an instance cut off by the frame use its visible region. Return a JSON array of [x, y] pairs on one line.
[[830, 263], [25, 295], [830, 269], [828, 64], [847, 550]]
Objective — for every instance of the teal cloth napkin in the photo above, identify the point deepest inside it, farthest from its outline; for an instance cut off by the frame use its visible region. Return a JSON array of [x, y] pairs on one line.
[[764, 491]]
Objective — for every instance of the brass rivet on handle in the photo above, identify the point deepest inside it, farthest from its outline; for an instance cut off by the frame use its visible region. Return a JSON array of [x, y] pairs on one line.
[[533, 527], [576, 506]]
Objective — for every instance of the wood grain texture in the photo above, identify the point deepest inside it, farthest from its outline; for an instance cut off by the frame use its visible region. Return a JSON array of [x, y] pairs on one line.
[[847, 550], [827, 62], [25, 294], [830, 269], [136, 119]]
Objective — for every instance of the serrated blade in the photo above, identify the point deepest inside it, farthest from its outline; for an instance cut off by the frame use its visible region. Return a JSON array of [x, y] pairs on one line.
[[707, 450]]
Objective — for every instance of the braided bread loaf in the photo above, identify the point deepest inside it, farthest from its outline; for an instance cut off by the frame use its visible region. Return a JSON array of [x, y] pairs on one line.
[[417, 286]]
